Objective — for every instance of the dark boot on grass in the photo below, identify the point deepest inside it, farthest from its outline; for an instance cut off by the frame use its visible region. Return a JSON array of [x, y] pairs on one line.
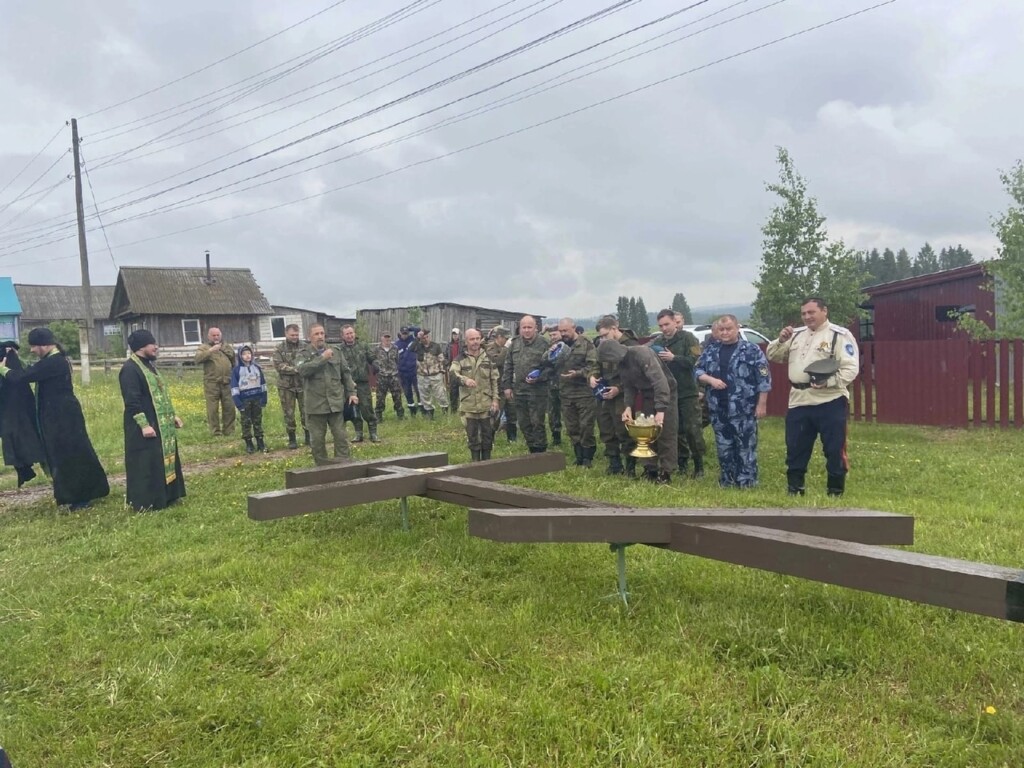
[[556, 437], [577, 450], [485, 455], [474, 456], [587, 456], [359, 434], [630, 466], [698, 467], [249, 447], [260, 445], [307, 436], [373, 435], [614, 465], [510, 432], [836, 485], [292, 444], [795, 482], [684, 465]]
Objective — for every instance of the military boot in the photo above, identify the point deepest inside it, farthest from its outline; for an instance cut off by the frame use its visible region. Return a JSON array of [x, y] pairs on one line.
[[373, 434], [412, 411], [698, 467], [577, 449], [380, 416], [556, 437], [249, 447], [260, 445], [474, 456], [650, 473], [587, 454], [430, 414], [400, 415], [684, 465], [510, 432], [662, 478], [292, 444], [306, 436], [485, 455], [836, 485], [359, 434], [795, 482], [614, 465], [630, 466]]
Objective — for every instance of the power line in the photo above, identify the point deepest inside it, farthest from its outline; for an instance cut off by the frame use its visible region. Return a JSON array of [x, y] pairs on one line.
[[92, 194], [210, 195], [512, 133], [34, 158], [550, 4], [28, 189], [214, 64], [40, 196], [312, 55]]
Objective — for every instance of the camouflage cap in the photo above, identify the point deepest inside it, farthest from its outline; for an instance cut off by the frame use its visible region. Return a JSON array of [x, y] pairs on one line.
[[499, 330]]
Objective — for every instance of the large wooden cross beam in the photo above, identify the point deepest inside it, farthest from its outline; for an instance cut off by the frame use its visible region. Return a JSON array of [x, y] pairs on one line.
[[835, 546]]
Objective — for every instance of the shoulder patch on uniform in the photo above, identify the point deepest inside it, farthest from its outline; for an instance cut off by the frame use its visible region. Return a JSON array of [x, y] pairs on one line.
[[763, 370], [849, 348]]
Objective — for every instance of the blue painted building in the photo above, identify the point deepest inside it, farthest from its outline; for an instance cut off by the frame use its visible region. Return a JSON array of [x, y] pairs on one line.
[[10, 310]]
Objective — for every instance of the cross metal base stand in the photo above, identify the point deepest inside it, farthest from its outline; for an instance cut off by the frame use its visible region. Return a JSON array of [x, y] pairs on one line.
[[620, 567]]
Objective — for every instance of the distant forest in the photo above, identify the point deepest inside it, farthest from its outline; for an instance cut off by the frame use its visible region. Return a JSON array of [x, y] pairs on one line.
[[887, 266]]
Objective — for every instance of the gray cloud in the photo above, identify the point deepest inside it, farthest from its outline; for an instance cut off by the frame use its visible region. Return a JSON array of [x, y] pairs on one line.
[[899, 119]]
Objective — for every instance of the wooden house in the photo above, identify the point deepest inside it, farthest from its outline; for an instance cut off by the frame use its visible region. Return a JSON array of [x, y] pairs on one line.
[[441, 319], [272, 326], [180, 304], [45, 304]]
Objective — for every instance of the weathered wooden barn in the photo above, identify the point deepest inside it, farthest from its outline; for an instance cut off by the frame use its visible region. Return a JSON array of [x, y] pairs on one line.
[[180, 304], [272, 327], [440, 319], [925, 307], [45, 304]]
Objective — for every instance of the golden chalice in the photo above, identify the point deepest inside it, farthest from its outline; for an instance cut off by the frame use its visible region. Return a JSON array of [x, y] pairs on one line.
[[644, 432]]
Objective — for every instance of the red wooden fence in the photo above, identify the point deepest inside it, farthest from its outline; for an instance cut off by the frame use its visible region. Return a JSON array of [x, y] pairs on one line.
[[950, 383]]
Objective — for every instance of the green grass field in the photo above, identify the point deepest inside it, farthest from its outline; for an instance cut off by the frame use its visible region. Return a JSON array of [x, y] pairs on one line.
[[196, 637]]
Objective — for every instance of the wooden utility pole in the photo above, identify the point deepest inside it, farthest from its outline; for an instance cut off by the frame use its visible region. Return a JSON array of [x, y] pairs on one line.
[[85, 331]]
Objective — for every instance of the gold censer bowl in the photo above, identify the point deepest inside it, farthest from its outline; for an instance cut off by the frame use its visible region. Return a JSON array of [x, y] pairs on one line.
[[644, 436]]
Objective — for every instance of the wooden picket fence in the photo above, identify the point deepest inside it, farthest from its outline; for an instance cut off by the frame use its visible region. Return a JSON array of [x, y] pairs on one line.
[[950, 383]]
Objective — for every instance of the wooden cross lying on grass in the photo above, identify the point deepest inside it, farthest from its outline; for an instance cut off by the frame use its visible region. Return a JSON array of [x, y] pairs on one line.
[[835, 546]]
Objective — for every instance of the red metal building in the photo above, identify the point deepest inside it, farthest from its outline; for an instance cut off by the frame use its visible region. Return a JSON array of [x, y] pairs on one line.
[[919, 308]]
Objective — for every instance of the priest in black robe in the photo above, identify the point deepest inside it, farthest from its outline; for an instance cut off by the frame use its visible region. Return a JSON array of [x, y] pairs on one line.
[[22, 444], [78, 476], [152, 466]]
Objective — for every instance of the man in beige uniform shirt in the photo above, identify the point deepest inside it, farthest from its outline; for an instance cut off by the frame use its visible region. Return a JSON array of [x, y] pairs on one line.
[[818, 401]]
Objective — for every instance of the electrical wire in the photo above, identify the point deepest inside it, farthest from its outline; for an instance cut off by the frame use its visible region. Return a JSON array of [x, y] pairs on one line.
[[214, 64], [92, 194], [509, 134], [28, 189]]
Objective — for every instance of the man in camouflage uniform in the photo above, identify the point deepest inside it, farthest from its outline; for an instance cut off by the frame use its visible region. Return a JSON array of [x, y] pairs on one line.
[[736, 374], [497, 351], [575, 367], [679, 350], [327, 388], [289, 383], [477, 377], [643, 375], [528, 394], [430, 374], [452, 350], [360, 359], [554, 395], [218, 360], [617, 442], [387, 378]]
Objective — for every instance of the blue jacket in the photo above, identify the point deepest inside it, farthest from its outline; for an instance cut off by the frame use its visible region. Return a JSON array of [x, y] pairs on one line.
[[406, 355], [746, 378], [247, 383]]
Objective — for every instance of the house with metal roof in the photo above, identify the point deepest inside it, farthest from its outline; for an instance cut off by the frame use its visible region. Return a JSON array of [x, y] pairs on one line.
[[45, 304], [10, 310], [179, 305]]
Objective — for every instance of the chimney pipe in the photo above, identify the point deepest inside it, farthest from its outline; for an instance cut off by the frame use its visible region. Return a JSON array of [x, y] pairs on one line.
[[209, 274]]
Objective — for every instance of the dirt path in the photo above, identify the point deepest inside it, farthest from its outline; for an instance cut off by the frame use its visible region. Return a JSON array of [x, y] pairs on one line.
[[43, 490]]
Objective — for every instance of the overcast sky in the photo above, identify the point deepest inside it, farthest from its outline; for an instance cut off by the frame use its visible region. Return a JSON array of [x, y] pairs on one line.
[[900, 120]]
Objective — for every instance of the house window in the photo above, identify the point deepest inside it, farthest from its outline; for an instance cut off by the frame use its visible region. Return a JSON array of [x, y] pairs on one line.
[[948, 313], [277, 325], [8, 328], [111, 329], [867, 326], [190, 330]]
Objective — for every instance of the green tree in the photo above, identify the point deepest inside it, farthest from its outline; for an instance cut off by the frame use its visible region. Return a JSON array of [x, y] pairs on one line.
[[926, 261], [622, 311], [1008, 268], [415, 316], [643, 322], [904, 266], [679, 304], [798, 259], [631, 314], [951, 258]]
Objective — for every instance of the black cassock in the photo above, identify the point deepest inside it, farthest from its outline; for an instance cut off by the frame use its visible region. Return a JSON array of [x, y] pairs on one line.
[[77, 474], [143, 456], [23, 446]]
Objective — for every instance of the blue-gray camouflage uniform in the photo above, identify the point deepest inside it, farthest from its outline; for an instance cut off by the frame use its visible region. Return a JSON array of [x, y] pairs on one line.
[[732, 410]]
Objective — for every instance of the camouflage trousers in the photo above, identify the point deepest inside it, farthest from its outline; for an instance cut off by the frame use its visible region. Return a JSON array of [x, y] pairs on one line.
[[479, 431], [220, 408], [363, 411], [616, 439], [531, 410], [289, 399], [252, 419], [691, 436], [433, 392], [388, 385], [578, 415], [554, 410], [736, 441], [318, 424], [667, 444]]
